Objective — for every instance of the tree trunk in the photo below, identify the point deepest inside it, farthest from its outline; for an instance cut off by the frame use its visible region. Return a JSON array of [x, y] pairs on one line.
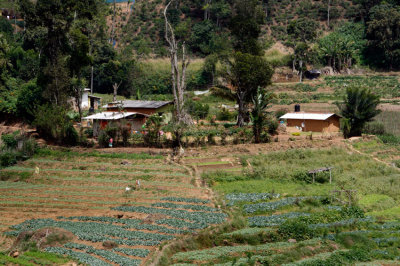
[[178, 75], [115, 87], [294, 65], [329, 10], [301, 70], [112, 25], [242, 109]]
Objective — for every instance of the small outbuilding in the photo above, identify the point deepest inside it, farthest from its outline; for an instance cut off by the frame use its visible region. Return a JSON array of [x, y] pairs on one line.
[[313, 121]]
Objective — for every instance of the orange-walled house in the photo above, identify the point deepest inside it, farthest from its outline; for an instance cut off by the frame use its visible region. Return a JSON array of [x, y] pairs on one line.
[[313, 122]]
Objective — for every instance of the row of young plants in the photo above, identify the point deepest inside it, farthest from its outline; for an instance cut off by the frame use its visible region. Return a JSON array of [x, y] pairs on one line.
[[130, 223], [273, 220], [219, 251], [184, 206], [137, 252], [342, 223], [80, 256], [107, 254], [234, 198], [274, 205], [199, 217], [177, 223], [189, 200], [91, 231]]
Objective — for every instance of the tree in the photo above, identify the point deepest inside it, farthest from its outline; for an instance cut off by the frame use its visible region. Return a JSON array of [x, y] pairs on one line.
[[383, 34], [258, 116], [245, 73], [245, 26], [301, 32], [79, 45], [52, 20], [359, 106], [178, 74], [339, 49]]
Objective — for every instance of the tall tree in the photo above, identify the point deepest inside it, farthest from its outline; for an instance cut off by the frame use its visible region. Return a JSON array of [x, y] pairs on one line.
[[301, 32], [56, 18], [244, 74], [359, 106], [383, 35], [245, 26], [247, 69]]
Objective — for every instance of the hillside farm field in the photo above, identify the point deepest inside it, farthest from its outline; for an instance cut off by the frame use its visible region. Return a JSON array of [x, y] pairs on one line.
[[282, 218], [86, 194], [263, 208]]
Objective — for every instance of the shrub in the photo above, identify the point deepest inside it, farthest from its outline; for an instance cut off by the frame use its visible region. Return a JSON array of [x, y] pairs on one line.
[[103, 139], [89, 132], [125, 134], [8, 158], [153, 127], [281, 112], [272, 126], [374, 128], [10, 140], [71, 136], [52, 122], [296, 229], [225, 115], [197, 109], [389, 139]]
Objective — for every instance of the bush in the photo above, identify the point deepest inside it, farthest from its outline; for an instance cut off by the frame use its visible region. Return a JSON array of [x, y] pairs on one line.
[[197, 110], [272, 126], [296, 229], [8, 158], [125, 134], [389, 139], [10, 140], [374, 128], [103, 139], [153, 128], [89, 132], [71, 136], [281, 112], [225, 115], [53, 123]]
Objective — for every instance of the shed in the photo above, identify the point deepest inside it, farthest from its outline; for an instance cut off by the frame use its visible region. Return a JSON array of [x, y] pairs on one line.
[[316, 122]]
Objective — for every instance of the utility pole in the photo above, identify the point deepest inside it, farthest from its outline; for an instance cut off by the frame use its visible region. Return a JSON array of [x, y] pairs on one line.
[[91, 81]]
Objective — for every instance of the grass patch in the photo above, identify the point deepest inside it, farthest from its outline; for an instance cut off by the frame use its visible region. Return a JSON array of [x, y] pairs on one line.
[[15, 176], [377, 202]]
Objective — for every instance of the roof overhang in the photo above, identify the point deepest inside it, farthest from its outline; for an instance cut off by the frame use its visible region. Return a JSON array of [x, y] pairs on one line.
[[307, 116], [112, 115]]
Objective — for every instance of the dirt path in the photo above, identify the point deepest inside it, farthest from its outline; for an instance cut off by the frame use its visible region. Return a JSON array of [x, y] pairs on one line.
[[351, 148]]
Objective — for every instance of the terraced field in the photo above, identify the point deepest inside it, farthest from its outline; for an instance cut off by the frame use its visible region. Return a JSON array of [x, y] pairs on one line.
[[95, 198], [280, 218]]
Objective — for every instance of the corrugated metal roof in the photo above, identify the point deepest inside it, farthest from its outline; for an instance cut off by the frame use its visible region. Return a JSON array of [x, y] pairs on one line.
[[110, 115], [140, 104], [306, 116]]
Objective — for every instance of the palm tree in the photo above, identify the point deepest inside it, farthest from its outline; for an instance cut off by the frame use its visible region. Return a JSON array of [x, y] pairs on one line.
[[359, 106]]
